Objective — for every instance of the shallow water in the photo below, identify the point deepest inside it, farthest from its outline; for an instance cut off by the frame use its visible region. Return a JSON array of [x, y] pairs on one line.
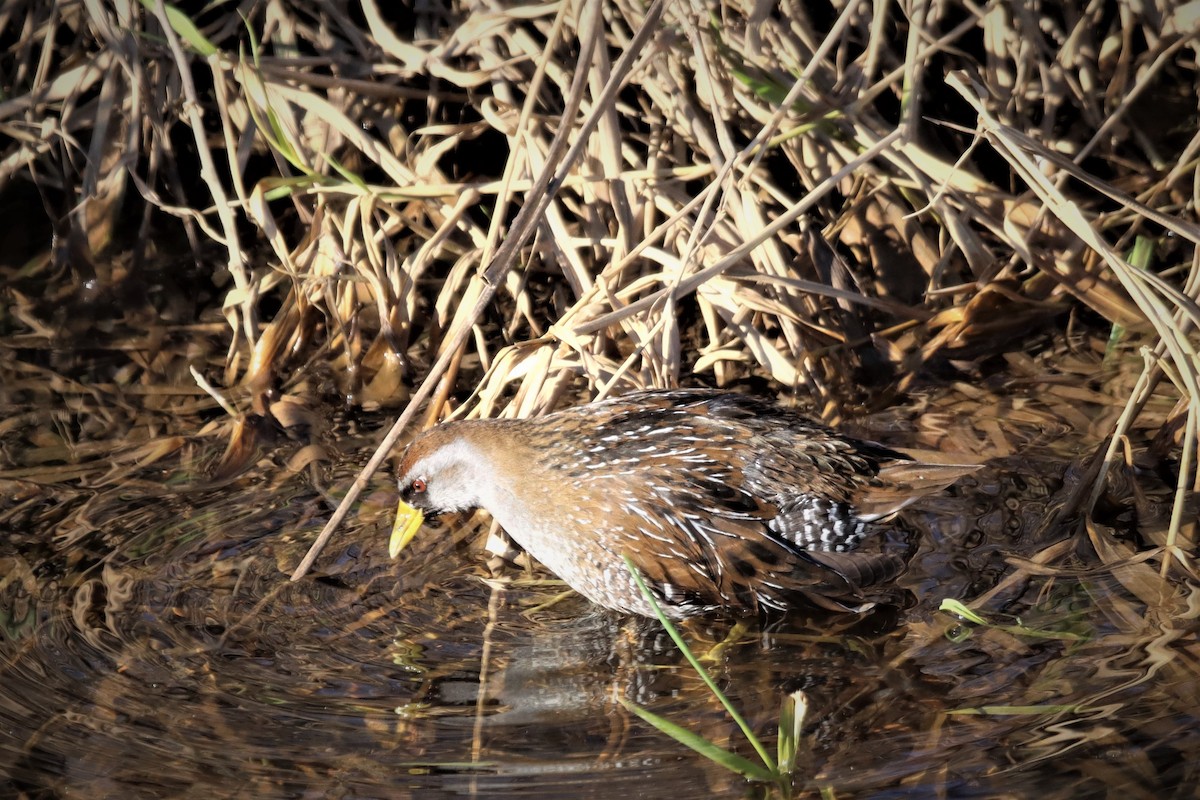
[[152, 646]]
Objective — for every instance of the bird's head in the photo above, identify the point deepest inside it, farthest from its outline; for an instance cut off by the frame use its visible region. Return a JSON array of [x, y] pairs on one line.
[[439, 473]]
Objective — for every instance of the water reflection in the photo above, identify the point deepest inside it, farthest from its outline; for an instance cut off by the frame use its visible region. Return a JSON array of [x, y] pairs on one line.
[[153, 646]]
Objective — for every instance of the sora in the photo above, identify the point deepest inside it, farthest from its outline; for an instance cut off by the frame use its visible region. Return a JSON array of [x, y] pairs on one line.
[[722, 501]]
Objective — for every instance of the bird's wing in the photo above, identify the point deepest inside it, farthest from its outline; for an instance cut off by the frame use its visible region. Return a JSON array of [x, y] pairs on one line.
[[704, 547]]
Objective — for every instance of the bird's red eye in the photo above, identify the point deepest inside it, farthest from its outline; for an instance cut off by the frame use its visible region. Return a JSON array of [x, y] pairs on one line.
[[419, 486]]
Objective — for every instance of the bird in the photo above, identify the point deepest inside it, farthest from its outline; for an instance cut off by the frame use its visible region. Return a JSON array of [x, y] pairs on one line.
[[724, 502]]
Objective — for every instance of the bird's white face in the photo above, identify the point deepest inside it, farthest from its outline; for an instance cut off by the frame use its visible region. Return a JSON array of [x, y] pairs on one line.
[[443, 479]]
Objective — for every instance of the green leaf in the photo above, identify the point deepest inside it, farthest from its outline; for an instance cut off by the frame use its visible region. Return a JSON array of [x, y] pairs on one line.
[[951, 606], [718, 755], [1141, 256], [351, 177], [676, 637], [182, 24], [791, 719], [1020, 629]]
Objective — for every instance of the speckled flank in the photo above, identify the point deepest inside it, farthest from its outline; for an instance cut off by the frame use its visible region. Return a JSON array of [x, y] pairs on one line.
[[723, 501]]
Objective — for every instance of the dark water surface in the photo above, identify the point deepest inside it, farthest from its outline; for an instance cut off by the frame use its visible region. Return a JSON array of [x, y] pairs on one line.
[[151, 645]]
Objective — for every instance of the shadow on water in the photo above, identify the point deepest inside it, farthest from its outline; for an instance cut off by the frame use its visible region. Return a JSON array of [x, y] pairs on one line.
[[153, 646]]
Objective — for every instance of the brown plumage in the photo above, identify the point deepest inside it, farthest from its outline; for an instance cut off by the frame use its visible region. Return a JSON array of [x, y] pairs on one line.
[[723, 501]]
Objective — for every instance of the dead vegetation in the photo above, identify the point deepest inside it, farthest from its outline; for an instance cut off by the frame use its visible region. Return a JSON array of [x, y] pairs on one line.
[[502, 210], [842, 202], [569, 200]]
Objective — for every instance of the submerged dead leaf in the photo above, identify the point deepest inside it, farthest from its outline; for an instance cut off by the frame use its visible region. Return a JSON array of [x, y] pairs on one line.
[[1138, 576]]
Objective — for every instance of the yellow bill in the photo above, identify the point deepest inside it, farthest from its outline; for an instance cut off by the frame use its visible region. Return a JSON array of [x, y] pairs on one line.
[[408, 522]]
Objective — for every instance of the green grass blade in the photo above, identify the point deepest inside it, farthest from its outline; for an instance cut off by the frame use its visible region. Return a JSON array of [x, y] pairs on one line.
[[955, 607], [718, 755], [747, 731], [1140, 257], [184, 29]]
